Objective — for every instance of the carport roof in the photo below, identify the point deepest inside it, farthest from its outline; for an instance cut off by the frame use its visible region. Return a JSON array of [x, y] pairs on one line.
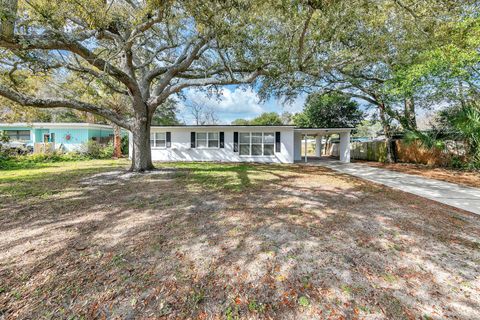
[[321, 130]]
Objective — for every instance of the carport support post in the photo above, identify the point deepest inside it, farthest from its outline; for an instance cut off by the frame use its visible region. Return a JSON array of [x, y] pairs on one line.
[[318, 146], [345, 146], [306, 145]]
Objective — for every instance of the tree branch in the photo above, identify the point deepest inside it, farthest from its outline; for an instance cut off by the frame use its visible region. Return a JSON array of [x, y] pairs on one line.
[[181, 64], [154, 102], [60, 41], [25, 100]]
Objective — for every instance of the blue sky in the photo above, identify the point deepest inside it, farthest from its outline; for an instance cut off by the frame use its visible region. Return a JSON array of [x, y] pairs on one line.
[[236, 102], [243, 102]]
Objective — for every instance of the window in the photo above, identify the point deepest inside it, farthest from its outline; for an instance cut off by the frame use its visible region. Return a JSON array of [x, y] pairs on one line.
[[18, 135], [207, 140], [268, 144], [158, 140], [244, 144], [213, 139], [257, 144]]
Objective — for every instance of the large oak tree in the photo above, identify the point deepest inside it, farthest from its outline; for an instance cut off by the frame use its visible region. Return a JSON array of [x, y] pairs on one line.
[[145, 50], [390, 54]]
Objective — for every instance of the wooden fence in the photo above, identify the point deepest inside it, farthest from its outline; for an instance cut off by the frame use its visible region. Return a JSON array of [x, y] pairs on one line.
[[44, 147], [403, 152], [372, 151]]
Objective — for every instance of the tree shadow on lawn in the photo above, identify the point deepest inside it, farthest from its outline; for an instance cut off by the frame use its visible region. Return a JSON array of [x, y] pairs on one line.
[[293, 242]]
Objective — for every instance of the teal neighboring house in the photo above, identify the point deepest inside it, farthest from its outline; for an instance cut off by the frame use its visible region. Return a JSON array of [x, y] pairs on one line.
[[66, 136]]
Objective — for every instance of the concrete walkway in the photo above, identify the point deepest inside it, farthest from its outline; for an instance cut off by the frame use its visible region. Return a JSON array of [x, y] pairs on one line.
[[455, 195]]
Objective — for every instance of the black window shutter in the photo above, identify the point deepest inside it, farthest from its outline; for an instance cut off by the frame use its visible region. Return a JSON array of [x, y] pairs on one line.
[[169, 139], [222, 139], [235, 142], [277, 142], [192, 139]]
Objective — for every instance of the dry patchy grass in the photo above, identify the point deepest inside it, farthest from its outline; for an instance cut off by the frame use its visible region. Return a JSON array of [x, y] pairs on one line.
[[229, 241]]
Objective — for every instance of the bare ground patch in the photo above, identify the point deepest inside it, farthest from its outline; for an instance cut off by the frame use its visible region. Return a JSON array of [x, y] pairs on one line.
[[235, 241]]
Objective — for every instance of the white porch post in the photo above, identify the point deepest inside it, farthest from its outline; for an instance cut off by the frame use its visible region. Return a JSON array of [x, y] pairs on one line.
[[32, 135], [297, 146], [130, 145], [306, 151], [318, 146], [345, 146]]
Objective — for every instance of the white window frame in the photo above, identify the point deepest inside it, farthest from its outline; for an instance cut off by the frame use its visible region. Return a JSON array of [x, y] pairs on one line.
[[207, 140], [17, 135], [153, 136], [250, 144]]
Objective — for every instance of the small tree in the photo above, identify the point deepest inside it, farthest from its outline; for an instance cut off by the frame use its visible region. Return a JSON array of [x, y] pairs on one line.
[[166, 114], [267, 119], [202, 115], [462, 123], [368, 129], [332, 110], [240, 122]]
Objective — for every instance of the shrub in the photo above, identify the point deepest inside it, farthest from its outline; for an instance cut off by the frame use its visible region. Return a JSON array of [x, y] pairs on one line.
[[8, 162], [95, 150], [124, 143], [107, 151]]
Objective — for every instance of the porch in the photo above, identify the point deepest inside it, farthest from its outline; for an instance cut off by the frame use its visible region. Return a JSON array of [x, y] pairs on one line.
[[303, 135]]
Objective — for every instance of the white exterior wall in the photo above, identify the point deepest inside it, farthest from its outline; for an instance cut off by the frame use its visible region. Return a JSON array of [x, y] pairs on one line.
[[298, 146], [318, 145], [345, 147], [130, 145], [180, 149]]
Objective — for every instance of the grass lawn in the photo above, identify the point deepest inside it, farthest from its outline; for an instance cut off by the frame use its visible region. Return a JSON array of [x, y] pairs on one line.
[[228, 241]]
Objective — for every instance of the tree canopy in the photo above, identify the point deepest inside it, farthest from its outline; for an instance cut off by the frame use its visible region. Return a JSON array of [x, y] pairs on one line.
[[394, 55], [166, 114], [143, 51], [334, 110], [264, 119]]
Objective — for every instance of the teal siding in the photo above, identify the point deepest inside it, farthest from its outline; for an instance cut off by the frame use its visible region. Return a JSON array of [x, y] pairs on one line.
[[39, 134], [99, 133], [77, 135]]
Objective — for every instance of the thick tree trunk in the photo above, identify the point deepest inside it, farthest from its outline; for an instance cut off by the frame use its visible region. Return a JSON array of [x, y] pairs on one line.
[[410, 116], [388, 135], [117, 141], [141, 153]]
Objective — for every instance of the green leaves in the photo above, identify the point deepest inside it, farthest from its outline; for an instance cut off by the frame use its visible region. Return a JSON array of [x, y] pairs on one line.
[[334, 110]]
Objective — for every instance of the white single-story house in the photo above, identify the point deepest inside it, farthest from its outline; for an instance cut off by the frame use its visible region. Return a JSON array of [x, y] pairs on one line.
[[235, 143]]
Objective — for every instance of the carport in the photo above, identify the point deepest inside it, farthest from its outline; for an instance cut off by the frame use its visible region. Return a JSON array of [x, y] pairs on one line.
[[300, 136]]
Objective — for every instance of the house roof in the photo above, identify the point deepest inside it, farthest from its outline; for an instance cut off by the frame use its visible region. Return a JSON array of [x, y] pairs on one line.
[[296, 129], [322, 130], [40, 125], [221, 126]]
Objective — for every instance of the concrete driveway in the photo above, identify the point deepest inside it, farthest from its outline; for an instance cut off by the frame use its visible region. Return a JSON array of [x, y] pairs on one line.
[[466, 198]]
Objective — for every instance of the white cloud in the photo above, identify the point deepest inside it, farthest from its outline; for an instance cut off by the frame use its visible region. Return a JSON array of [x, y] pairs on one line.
[[296, 105], [236, 101]]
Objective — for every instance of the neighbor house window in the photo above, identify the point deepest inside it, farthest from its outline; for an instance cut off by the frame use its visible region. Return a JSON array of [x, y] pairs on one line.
[[257, 144], [18, 135], [207, 140], [158, 140]]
